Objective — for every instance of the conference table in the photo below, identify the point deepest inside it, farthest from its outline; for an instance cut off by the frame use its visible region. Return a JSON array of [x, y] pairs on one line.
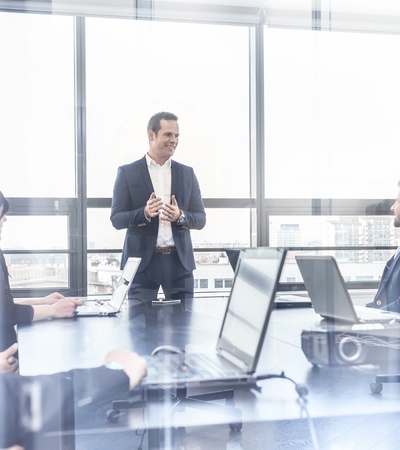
[[334, 390]]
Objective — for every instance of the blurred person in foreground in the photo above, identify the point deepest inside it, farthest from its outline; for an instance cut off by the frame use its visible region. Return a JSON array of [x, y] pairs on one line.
[[61, 393]]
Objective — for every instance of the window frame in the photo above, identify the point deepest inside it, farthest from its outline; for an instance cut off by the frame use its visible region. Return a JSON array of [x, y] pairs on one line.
[[263, 207]]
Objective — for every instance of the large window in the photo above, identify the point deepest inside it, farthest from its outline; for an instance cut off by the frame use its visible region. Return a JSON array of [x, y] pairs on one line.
[[298, 157], [199, 72], [331, 114], [37, 106], [331, 130], [104, 243], [30, 269], [37, 156], [135, 69]]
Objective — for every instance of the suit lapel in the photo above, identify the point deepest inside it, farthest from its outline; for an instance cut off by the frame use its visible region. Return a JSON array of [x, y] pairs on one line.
[[176, 181], [390, 266], [144, 170]]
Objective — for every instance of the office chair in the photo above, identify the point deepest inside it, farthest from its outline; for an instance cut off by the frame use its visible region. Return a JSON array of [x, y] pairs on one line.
[[388, 376], [377, 386]]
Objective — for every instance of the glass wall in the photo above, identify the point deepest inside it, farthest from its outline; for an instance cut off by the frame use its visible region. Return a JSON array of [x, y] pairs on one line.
[[37, 140], [329, 107], [199, 72], [37, 106], [104, 246], [133, 71], [33, 265]]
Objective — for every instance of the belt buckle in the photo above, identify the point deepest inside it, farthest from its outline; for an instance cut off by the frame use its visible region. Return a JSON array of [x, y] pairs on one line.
[[164, 250]]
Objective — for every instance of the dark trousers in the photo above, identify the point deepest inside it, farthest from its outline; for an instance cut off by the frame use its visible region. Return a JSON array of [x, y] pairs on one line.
[[168, 272]]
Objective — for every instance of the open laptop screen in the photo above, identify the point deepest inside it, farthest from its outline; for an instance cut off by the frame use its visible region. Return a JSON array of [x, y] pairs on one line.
[[125, 281], [250, 305], [326, 287]]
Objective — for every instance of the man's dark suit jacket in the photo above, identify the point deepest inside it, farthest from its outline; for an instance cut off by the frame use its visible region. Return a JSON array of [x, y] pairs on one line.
[[132, 189], [388, 294]]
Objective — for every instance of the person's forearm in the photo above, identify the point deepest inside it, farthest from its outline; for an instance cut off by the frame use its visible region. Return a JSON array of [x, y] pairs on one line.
[[65, 307], [43, 312], [30, 301]]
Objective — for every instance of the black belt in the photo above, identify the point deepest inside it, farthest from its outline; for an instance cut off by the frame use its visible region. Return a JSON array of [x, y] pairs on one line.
[[164, 250]]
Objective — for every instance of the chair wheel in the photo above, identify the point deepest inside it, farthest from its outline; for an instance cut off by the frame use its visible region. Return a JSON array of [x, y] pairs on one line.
[[237, 426], [113, 415], [376, 388]]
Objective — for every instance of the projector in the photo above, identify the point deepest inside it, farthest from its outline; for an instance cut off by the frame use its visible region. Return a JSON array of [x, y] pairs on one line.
[[331, 347]]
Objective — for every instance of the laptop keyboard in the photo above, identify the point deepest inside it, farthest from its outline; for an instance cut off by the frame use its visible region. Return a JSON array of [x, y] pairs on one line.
[[372, 314], [207, 368], [96, 307], [194, 366]]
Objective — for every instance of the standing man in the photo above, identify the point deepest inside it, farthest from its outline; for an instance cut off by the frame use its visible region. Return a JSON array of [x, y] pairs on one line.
[[388, 294], [158, 201]]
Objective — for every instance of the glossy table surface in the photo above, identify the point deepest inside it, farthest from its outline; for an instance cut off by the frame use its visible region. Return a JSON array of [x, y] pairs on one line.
[[60, 345]]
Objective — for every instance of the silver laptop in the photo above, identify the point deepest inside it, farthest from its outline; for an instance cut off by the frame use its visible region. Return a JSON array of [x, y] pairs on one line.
[[329, 295], [281, 300], [243, 329], [113, 306]]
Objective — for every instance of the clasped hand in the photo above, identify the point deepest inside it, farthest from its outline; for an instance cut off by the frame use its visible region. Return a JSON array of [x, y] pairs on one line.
[[155, 207]]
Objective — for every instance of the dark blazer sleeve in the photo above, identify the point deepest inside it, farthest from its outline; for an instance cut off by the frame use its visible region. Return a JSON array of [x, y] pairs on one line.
[[132, 189], [186, 189], [11, 314]]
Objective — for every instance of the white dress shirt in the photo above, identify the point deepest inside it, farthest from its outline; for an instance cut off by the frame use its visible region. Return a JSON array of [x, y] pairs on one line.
[[161, 180]]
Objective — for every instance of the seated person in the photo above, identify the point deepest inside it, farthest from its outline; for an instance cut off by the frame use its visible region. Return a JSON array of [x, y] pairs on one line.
[[388, 294], [12, 313], [13, 429]]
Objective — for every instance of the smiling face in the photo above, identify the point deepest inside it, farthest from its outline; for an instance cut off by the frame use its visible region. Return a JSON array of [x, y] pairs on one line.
[[164, 143], [3, 219]]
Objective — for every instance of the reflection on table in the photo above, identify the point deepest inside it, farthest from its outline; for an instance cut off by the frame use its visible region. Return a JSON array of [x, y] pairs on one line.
[[333, 390]]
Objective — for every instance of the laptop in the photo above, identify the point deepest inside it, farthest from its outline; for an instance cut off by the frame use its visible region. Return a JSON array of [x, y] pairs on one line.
[[113, 306], [329, 295], [281, 300], [243, 329], [233, 256]]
